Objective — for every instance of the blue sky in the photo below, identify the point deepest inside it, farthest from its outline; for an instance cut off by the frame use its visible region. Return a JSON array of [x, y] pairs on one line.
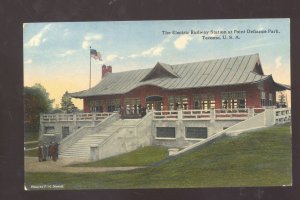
[[57, 54]]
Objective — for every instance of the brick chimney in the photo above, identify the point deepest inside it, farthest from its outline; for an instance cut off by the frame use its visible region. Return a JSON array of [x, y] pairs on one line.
[[106, 70]]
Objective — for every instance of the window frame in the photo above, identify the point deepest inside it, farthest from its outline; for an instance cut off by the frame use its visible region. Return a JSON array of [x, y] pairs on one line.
[[165, 138], [190, 138]]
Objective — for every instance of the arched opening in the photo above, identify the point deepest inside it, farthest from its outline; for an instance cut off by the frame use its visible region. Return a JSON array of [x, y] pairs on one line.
[[154, 102]]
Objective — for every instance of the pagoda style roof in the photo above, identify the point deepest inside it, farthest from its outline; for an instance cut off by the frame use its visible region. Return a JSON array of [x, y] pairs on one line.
[[218, 72]]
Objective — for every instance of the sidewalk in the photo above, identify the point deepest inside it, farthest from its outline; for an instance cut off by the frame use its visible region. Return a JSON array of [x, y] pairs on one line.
[[31, 164]]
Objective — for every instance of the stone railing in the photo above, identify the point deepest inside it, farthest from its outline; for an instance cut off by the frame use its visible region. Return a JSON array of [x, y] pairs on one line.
[[197, 114], [209, 114], [282, 115], [166, 115], [74, 117]]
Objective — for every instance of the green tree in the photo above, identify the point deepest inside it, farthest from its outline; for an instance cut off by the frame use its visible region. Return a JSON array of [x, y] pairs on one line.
[[66, 104], [36, 101], [282, 99]]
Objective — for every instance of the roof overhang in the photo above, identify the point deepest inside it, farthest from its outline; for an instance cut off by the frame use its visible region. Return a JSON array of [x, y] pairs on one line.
[[279, 86]]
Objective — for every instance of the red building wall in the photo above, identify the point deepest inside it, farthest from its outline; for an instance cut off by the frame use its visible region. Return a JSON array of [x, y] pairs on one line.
[[253, 94]]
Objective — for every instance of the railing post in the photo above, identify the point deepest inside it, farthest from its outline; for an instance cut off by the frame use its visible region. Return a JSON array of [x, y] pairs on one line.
[[251, 112], [179, 115], [212, 115], [94, 119]]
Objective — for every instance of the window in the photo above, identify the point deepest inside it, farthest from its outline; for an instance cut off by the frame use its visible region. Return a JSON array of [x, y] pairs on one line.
[[178, 102], [65, 131], [233, 99], [113, 105], [270, 99], [263, 98], [48, 129], [132, 105], [165, 132], [204, 101], [196, 132], [96, 105]]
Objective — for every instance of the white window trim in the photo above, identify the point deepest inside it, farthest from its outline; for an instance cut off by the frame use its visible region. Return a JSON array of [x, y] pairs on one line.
[[194, 139]]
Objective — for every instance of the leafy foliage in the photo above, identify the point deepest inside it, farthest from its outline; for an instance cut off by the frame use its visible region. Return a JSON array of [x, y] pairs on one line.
[[36, 101], [66, 103]]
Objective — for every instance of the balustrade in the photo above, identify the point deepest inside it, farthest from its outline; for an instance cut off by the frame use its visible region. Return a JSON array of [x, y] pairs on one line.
[[209, 114], [74, 117]]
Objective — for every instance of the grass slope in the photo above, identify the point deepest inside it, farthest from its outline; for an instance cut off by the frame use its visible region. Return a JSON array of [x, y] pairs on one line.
[[260, 158], [135, 158]]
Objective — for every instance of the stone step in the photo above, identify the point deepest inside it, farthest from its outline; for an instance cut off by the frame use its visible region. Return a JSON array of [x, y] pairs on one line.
[[87, 143], [81, 148], [77, 155]]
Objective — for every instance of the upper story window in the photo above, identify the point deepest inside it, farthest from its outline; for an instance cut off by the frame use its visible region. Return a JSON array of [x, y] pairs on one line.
[[96, 105], [113, 105], [263, 98], [271, 102], [233, 99], [132, 105], [178, 102], [204, 101]]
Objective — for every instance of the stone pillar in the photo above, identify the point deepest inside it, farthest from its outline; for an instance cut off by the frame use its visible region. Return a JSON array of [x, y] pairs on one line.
[[179, 114], [212, 115], [94, 119], [251, 112], [94, 152]]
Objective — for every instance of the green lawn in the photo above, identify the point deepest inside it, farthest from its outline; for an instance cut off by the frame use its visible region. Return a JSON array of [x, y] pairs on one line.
[[260, 158], [135, 158]]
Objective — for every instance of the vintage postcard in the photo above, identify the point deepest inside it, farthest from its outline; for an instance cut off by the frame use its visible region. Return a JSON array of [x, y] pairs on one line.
[[157, 104]]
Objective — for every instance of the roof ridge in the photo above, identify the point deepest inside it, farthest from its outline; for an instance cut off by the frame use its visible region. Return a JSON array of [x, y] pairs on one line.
[[209, 60]]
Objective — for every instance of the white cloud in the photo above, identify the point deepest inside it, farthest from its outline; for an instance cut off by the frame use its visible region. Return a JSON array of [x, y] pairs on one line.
[[182, 41], [67, 53], [133, 56], [89, 38], [28, 61], [154, 51], [36, 40], [111, 57], [254, 46], [278, 62]]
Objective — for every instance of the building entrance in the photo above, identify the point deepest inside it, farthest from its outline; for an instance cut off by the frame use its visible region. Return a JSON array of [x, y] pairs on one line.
[[154, 103]]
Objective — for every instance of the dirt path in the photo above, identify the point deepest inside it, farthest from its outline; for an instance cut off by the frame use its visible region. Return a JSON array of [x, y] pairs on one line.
[[33, 165]]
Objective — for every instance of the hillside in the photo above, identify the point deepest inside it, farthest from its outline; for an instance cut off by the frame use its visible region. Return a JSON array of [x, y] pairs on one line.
[[259, 158]]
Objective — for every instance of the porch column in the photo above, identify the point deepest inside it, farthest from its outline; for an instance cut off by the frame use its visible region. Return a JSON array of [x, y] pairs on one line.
[[190, 96], [165, 102], [218, 99]]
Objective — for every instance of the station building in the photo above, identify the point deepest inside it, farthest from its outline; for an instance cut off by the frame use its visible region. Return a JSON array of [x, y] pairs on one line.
[[227, 83]]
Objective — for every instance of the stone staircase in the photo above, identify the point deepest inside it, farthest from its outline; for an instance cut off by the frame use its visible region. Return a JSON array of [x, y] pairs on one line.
[[81, 148]]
